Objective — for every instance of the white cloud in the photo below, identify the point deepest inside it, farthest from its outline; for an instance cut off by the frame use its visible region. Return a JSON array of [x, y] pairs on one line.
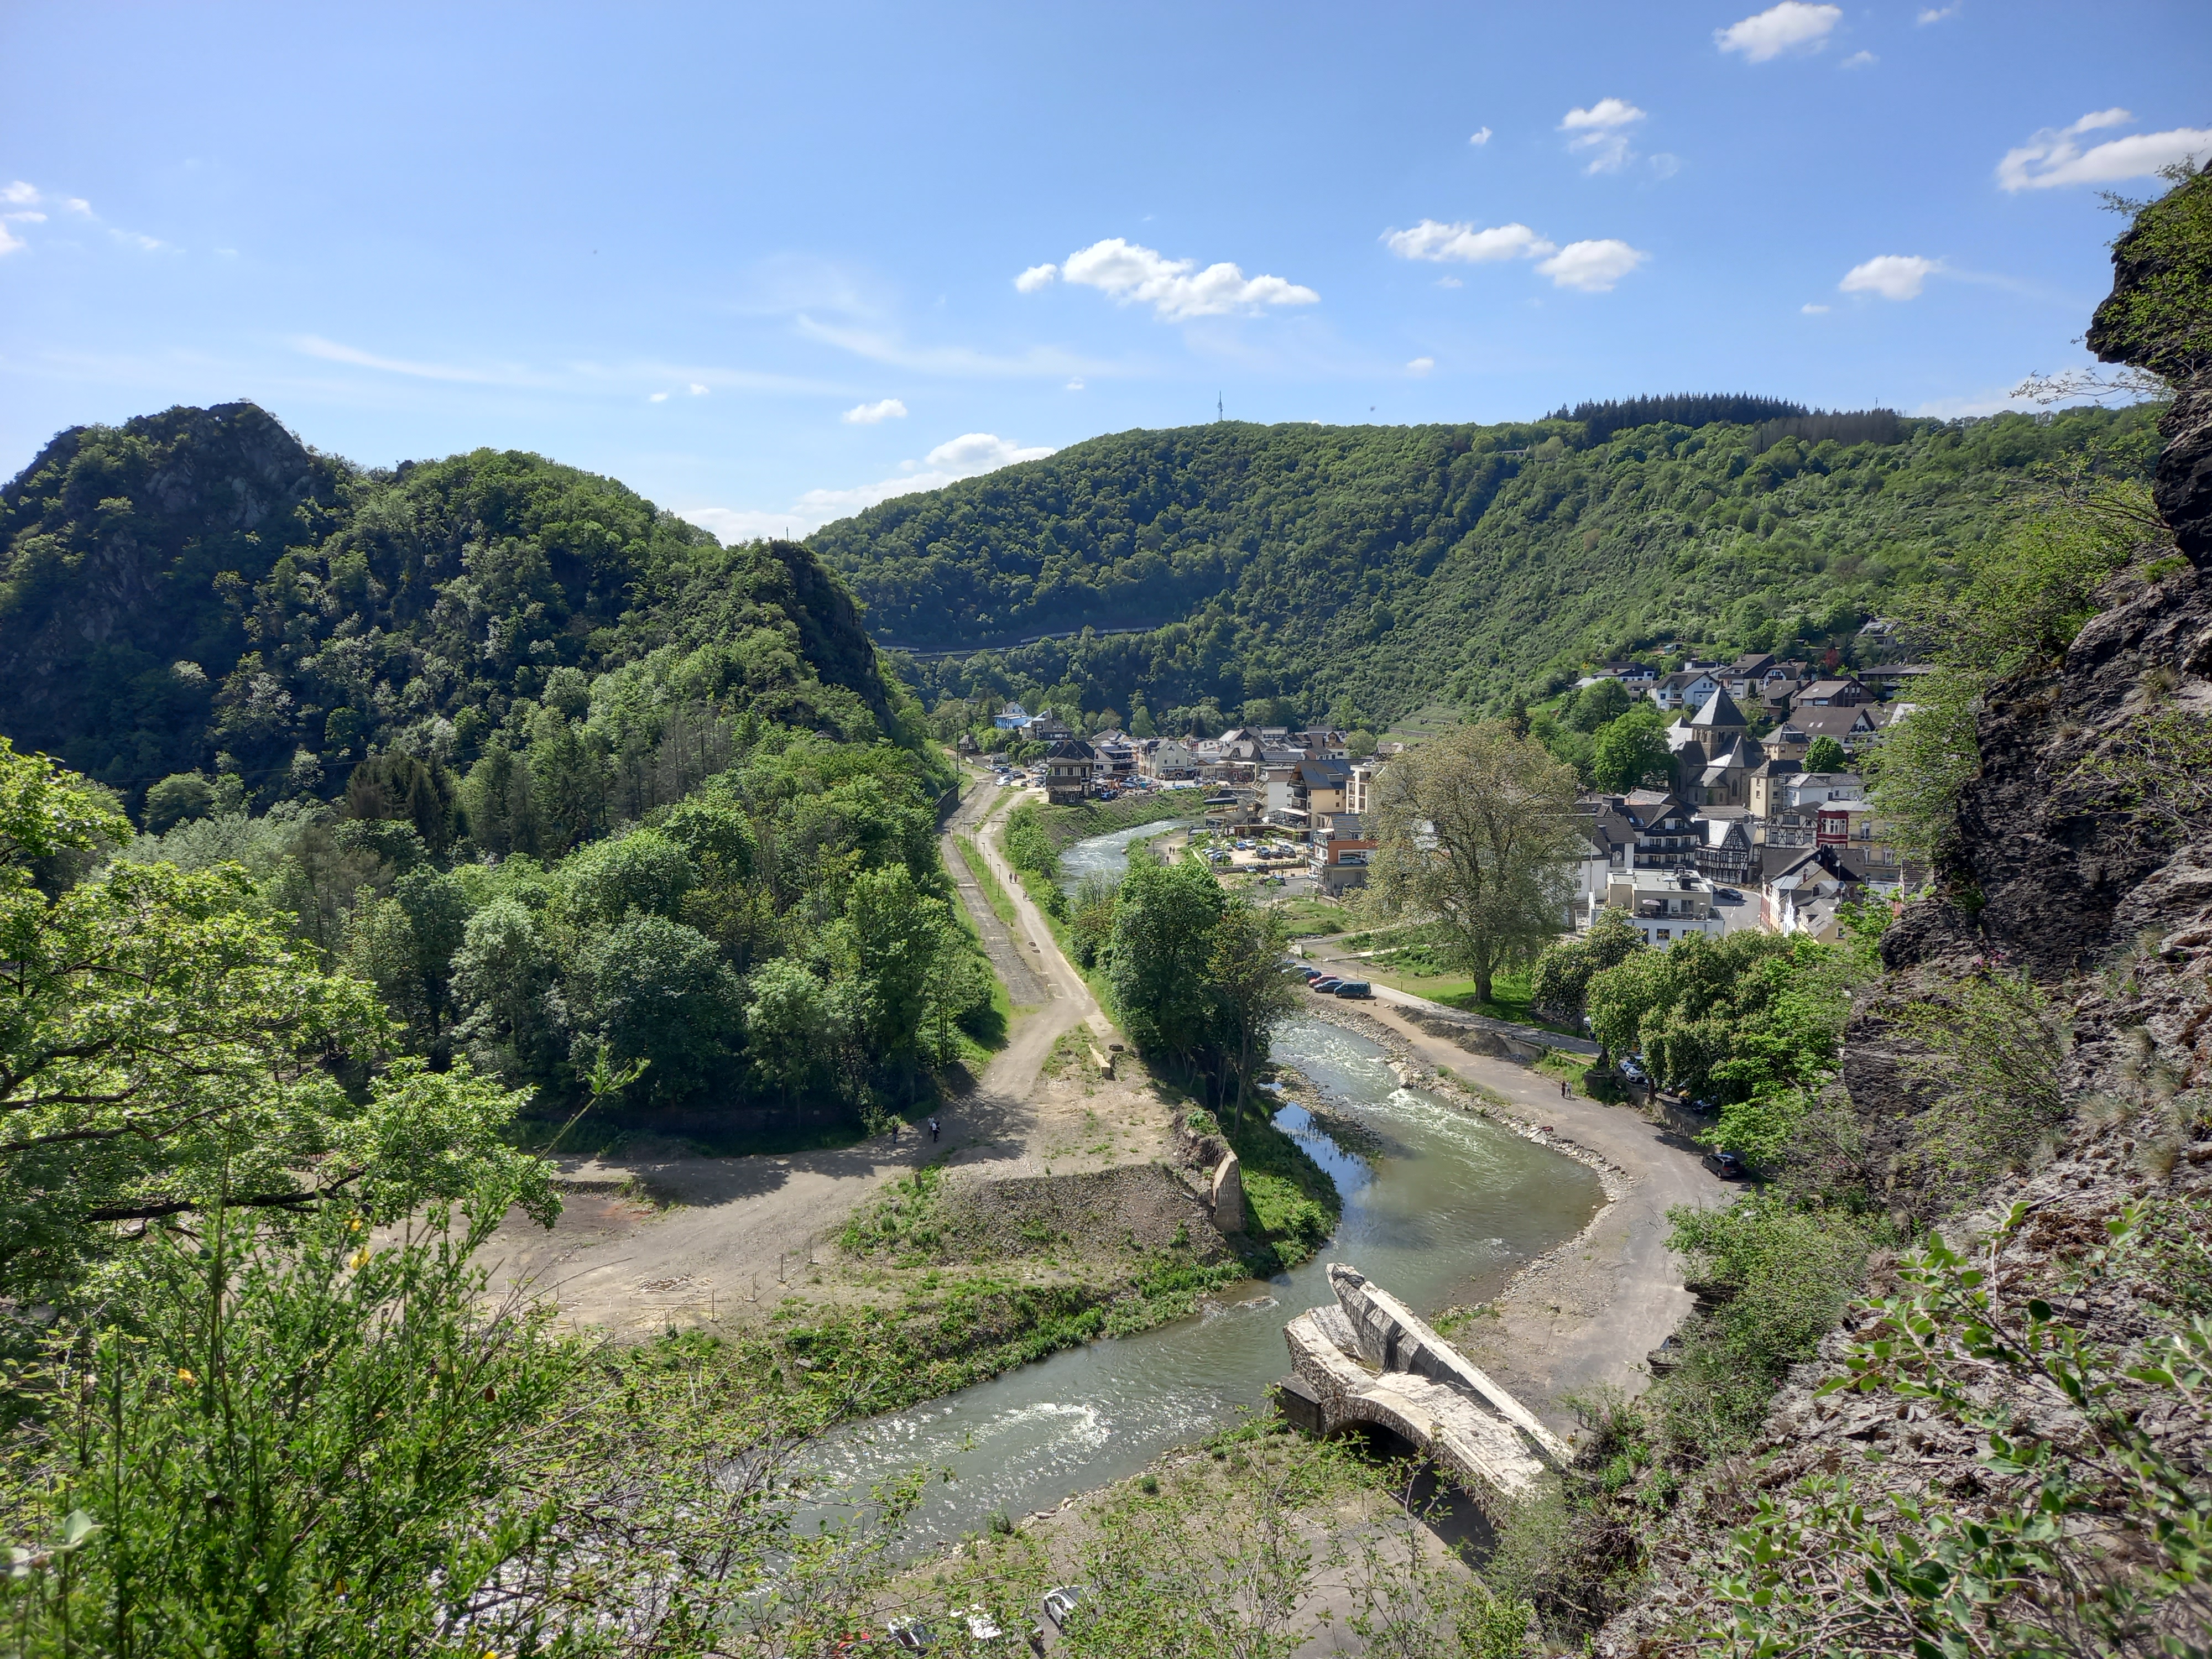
[[658, 397], [964, 457], [1035, 277], [1593, 266], [891, 409], [1665, 165], [1420, 365], [1982, 403], [2052, 157], [697, 390], [1462, 244], [1859, 60], [1813, 311], [1605, 114], [978, 451], [1793, 26], [1935, 15], [1601, 132], [1480, 138], [1075, 386], [1893, 276], [1176, 289], [1450, 281], [879, 347], [25, 201], [331, 351], [143, 243]]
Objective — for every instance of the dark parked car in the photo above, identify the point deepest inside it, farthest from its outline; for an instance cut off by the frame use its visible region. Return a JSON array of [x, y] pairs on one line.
[[1327, 983], [1354, 988], [1728, 1166]]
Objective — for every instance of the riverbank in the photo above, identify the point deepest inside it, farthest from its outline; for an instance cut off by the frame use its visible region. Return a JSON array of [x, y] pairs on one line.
[[1587, 1313]]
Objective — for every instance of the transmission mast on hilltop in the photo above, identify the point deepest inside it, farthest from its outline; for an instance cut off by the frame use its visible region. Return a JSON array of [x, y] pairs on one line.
[[1216, 406]]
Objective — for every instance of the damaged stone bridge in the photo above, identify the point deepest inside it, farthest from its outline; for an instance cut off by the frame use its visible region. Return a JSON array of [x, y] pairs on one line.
[[1371, 1360]]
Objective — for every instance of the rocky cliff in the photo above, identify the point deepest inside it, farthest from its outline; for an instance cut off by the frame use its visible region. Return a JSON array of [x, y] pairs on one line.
[[2080, 887]]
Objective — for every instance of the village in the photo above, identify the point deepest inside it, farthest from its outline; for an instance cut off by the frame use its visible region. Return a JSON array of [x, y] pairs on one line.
[[1763, 820]]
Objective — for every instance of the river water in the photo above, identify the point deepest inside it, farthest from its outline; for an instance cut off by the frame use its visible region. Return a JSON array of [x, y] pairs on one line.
[[1450, 1205], [1107, 854]]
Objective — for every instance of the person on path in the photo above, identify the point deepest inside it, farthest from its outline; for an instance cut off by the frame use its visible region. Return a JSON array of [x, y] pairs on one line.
[[1564, 1093], [895, 1129], [932, 1128]]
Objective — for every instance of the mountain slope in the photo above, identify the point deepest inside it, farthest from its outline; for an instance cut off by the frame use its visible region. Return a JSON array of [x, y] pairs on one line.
[[197, 588], [1383, 566]]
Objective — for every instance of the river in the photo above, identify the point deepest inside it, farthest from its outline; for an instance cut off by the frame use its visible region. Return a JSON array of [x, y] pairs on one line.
[[1449, 1207]]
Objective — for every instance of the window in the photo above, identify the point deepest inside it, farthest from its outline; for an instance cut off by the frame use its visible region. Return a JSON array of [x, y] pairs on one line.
[[1664, 935]]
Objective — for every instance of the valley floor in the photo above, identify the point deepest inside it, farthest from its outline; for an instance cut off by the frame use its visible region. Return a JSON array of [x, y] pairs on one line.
[[645, 1244]]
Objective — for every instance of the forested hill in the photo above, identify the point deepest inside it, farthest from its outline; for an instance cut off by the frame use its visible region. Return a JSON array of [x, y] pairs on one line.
[[1372, 568], [199, 590]]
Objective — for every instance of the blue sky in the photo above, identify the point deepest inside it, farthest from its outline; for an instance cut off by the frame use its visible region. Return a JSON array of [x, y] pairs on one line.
[[768, 264]]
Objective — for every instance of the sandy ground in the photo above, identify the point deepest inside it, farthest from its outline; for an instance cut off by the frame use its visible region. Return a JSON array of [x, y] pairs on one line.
[[1586, 1314], [644, 1243]]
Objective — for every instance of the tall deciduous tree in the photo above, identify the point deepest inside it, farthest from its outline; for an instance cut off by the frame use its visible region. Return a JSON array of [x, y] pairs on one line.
[[1477, 829], [1245, 978], [1163, 923], [1631, 751]]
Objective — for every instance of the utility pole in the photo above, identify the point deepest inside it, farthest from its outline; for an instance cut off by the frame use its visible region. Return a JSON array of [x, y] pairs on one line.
[[1216, 406]]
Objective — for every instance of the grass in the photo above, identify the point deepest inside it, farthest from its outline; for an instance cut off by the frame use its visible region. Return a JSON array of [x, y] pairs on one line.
[[1311, 918], [993, 895]]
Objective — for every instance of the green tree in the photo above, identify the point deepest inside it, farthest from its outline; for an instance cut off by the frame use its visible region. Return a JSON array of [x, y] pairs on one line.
[[1824, 754], [788, 1025], [656, 991], [507, 981], [1631, 751], [1163, 936], [644, 870], [1245, 982], [1477, 830], [404, 947], [1563, 972], [1597, 704], [177, 798], [166, 1055]]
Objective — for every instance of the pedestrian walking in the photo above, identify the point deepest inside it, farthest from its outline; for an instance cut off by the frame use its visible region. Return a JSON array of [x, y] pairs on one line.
[[1564, 1093], [895, 1129], [932, 1128]]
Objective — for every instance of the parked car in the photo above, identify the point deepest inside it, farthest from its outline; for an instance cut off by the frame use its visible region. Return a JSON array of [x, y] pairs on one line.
[[1632, 1068], [1327, 983], [1355, 987], [1728, 1166]]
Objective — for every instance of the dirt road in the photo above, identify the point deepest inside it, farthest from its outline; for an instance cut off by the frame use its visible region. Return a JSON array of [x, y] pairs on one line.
[[644, 1242]]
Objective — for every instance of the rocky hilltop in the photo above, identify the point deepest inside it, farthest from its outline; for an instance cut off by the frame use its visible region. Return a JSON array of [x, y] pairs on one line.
[[199, 590]]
